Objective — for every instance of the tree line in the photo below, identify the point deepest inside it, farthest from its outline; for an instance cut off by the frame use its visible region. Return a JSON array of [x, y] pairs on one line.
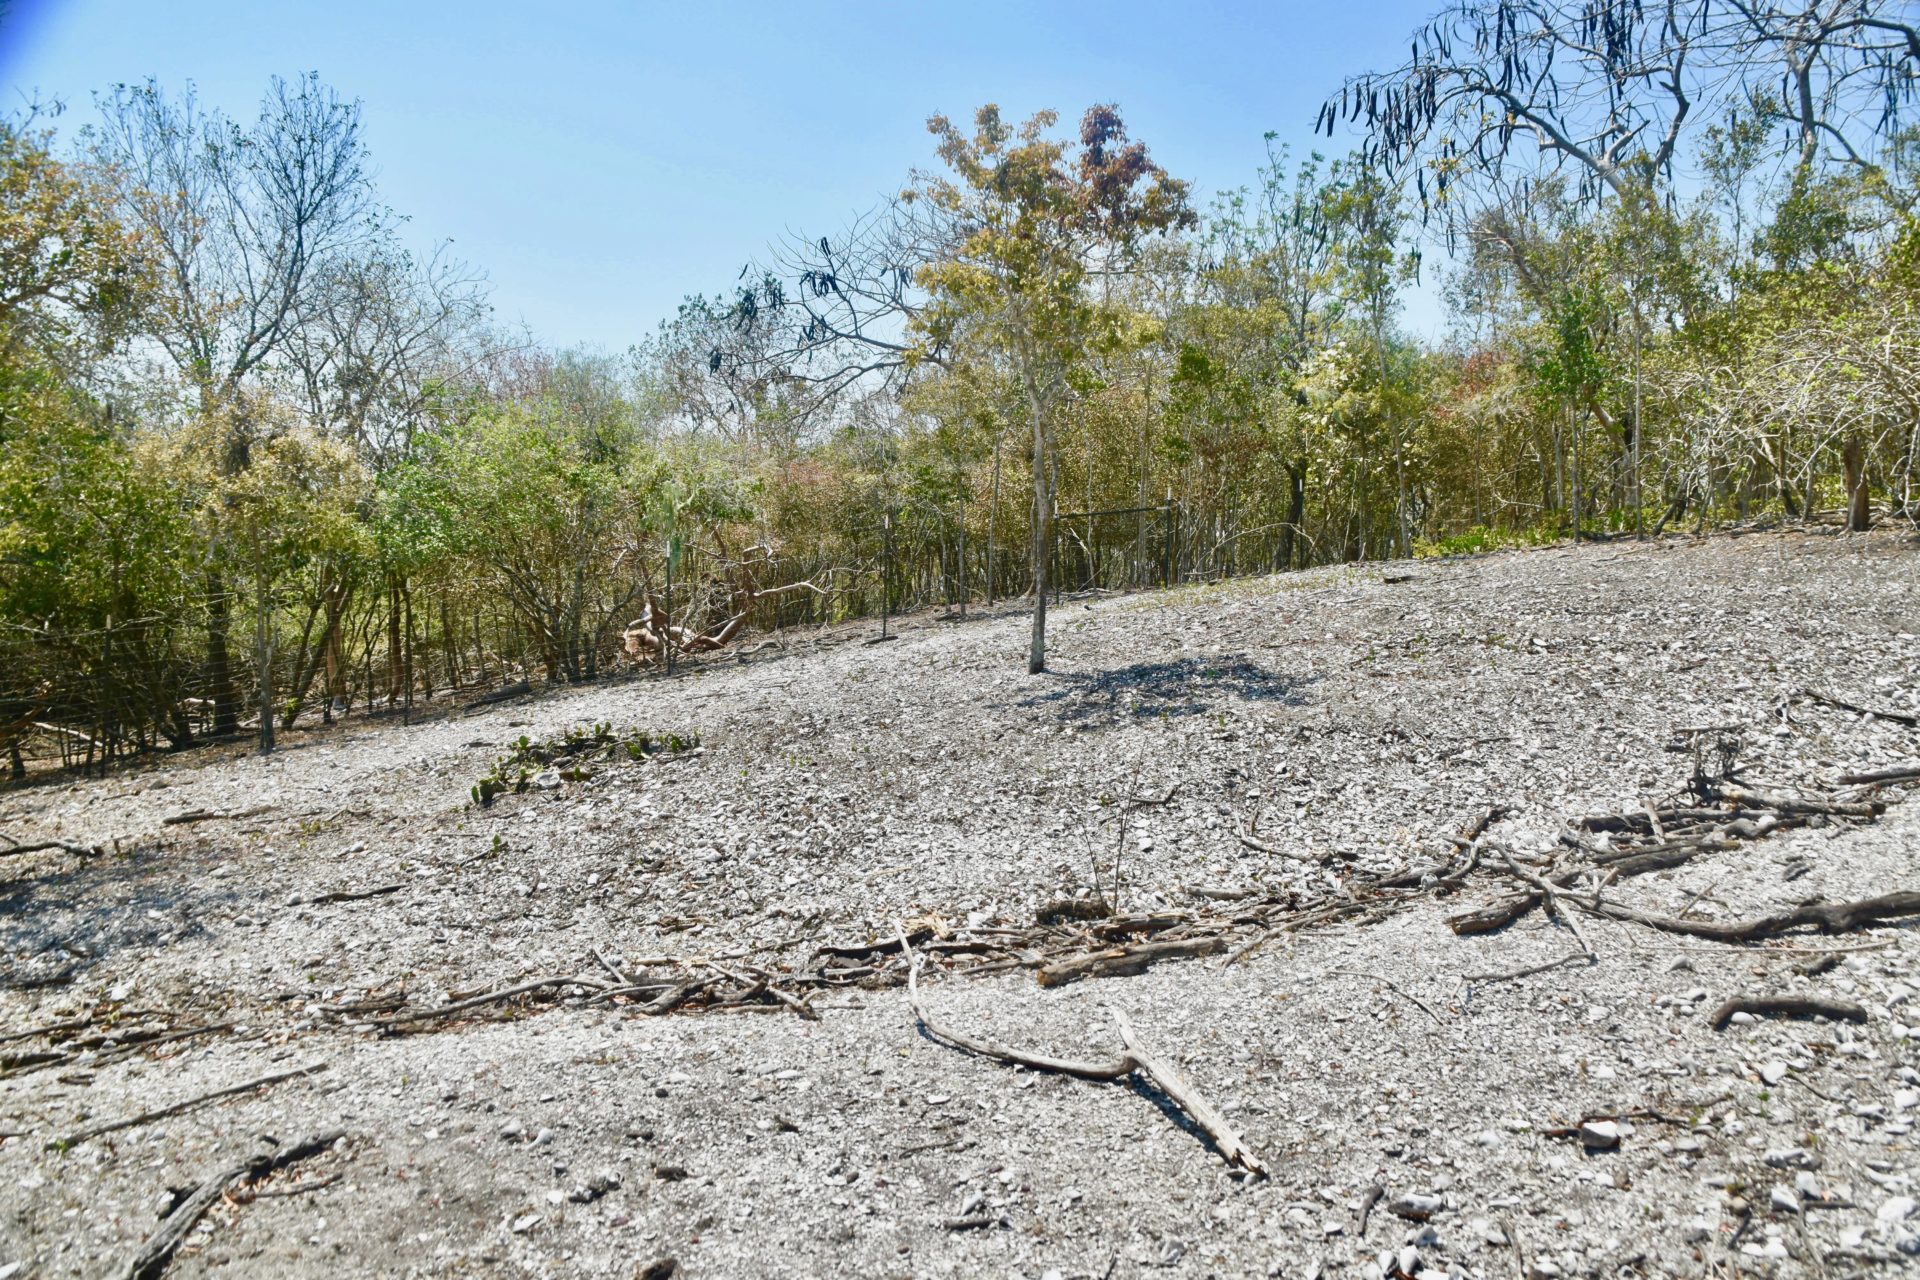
[[261, 463]]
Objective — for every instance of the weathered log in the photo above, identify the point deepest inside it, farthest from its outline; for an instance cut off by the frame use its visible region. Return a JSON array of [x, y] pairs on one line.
[[1497, 915], [1126, 961]]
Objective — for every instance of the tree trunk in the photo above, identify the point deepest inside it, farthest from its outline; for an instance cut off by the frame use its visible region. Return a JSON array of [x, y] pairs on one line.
[[226, 698], [395, 650], [263, 659], [993, 511], [1042, 534], [1853, 461]]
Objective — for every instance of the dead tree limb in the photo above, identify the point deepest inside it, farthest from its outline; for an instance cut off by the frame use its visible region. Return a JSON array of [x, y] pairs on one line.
[[1527, 972], [1552, 898], [1494, 916], [356, 895], [74, 1139], [1747, 798], [80, 850], [1126, 962], [1873, 777], [491, 997], [1788, 1007], [1828, 917], [1136, 1058], [209, 815], [153, 1255], [1189, 1099], [1898, 717]]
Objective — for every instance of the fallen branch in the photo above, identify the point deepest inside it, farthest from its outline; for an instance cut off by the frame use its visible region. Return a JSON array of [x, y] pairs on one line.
[[517, 690], [1898, 717], [1527, 972], [72, 1140], [1126, 961], [1494, 916], [1829, 917], [1552, 898], [1787, 1007], [1136, 1058], [297, 1189], [1749, 799], [81, 850], [1188, 1099], [356, 895], [209, 815], [491, 997], [1909, 773], [153, 1255], [1367, 1201]]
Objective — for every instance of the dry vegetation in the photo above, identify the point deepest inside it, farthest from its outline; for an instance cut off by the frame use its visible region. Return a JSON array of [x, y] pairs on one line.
[[648, 1002]]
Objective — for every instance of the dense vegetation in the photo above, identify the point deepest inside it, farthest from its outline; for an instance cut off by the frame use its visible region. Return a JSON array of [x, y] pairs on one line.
[[260, 463]]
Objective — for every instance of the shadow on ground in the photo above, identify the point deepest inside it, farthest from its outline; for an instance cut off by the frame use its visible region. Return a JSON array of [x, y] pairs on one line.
[[1183, 687], [56, 926]]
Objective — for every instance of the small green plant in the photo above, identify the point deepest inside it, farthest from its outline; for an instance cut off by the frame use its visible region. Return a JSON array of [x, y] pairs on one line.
[[572, 754]]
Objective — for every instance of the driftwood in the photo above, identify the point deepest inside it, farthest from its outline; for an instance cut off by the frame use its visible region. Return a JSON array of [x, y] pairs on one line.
[[153, 1255], [1126, 961], [1788, 1007], [1367, 1201], [1188, 1099], [1135, 1058], [1829, 917], [1552, 899], [74, 1139], [1494, 916]]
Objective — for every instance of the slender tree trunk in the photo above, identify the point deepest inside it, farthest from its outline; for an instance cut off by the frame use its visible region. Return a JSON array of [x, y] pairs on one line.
[[1633, 448], [396, 654], [263, 657], [1042, 531], [1573, 449], [1853, 462], [226, 698], [961, 554]]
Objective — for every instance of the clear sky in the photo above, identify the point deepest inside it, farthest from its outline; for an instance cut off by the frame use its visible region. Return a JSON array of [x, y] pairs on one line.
[[602, 160]]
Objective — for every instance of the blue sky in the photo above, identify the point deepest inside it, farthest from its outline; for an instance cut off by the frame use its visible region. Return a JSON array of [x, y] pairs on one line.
[[602, 160]]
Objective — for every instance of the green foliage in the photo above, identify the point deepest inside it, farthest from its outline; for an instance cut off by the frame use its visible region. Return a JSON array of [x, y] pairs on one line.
[[573, 752]]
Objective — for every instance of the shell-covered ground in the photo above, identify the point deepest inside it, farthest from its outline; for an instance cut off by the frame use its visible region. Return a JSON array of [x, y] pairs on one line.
[[1348, 719]]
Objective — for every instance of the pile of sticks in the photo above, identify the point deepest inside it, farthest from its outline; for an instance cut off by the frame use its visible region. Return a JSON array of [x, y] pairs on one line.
[[1601, 850]]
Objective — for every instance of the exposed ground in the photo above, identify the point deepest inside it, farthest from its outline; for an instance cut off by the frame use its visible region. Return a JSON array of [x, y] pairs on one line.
[[1353, 723]]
